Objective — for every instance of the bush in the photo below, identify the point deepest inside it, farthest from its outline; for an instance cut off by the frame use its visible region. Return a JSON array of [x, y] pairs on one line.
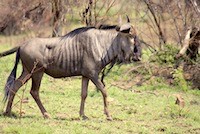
[[179, 79], [165, 56]]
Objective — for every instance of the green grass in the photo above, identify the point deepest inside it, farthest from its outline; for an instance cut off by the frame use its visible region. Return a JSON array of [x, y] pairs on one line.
[[151, 110]]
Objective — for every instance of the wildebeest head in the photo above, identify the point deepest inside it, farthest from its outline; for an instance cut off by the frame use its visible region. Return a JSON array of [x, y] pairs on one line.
[[131, 49]]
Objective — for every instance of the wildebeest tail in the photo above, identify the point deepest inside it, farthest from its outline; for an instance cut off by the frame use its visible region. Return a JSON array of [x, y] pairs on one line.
[[11, 51], [11, 79]]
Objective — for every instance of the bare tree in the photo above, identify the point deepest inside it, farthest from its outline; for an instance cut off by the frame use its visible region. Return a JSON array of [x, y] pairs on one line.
[[162, 39], [17, 16], [57, 17], [96, 12], [166, 21], [87, 14]]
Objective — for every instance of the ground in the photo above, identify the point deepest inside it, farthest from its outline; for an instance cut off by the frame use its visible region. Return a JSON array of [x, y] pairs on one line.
[[146, 108]]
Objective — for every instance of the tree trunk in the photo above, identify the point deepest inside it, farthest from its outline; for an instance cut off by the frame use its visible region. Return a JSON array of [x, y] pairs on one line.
[[57, 15]]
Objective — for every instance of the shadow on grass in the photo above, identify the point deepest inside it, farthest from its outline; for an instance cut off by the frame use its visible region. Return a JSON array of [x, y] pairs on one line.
[[17, 116]]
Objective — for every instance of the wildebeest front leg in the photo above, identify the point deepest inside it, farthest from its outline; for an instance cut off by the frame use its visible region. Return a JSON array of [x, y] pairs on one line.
[[101, 87], [84, 90], [36, 80]]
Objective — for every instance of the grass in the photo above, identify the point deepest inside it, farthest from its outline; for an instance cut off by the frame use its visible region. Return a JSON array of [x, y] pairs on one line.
[[150, 110]]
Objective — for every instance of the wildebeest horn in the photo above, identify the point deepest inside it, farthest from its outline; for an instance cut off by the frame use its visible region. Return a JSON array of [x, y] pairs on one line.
[[125, 28], [128, 20]]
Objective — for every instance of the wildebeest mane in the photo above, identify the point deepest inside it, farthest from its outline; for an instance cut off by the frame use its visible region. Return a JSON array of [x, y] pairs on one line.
[[107, 27], [77, 31], [84, 29]]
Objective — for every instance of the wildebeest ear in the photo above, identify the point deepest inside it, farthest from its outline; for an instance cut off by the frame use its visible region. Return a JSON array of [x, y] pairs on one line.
[[128, 20], [125, 28]]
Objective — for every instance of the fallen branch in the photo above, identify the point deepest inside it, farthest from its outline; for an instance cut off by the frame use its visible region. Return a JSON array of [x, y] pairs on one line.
[[191, 45], [185, 43]]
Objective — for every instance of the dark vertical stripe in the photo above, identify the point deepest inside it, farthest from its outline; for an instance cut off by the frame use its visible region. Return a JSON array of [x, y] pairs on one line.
[[79, 57], [81, 49], [91, 43], [108, 59], [87, 46], [107, 55], [67, 44], [102, 45], [110, 53], [64, 56], [77, 54], [104, 61], [61, 59], [70, 55], [114, 50], [110, 50], [74, 55]]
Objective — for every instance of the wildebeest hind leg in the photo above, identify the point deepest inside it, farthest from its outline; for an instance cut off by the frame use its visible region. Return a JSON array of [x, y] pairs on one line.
[[101, 87], [84, 90], [25, 76], [36, 81]]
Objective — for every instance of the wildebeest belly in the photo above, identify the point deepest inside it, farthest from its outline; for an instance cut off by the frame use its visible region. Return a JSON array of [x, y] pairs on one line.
[[57, 72]]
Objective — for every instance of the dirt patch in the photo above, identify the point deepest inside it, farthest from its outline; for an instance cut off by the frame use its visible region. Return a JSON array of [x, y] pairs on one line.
[[151, 73]]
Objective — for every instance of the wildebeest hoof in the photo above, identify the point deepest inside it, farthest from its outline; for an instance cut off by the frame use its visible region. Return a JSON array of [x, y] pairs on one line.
[[8, 114], [46, 116], [84, 117], [109, 118]]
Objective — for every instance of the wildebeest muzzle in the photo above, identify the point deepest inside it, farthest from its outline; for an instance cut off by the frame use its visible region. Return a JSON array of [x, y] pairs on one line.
[[137, 50]]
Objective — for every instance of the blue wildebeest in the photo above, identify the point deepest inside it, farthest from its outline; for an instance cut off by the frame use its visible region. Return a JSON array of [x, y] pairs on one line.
[[82, 52]]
